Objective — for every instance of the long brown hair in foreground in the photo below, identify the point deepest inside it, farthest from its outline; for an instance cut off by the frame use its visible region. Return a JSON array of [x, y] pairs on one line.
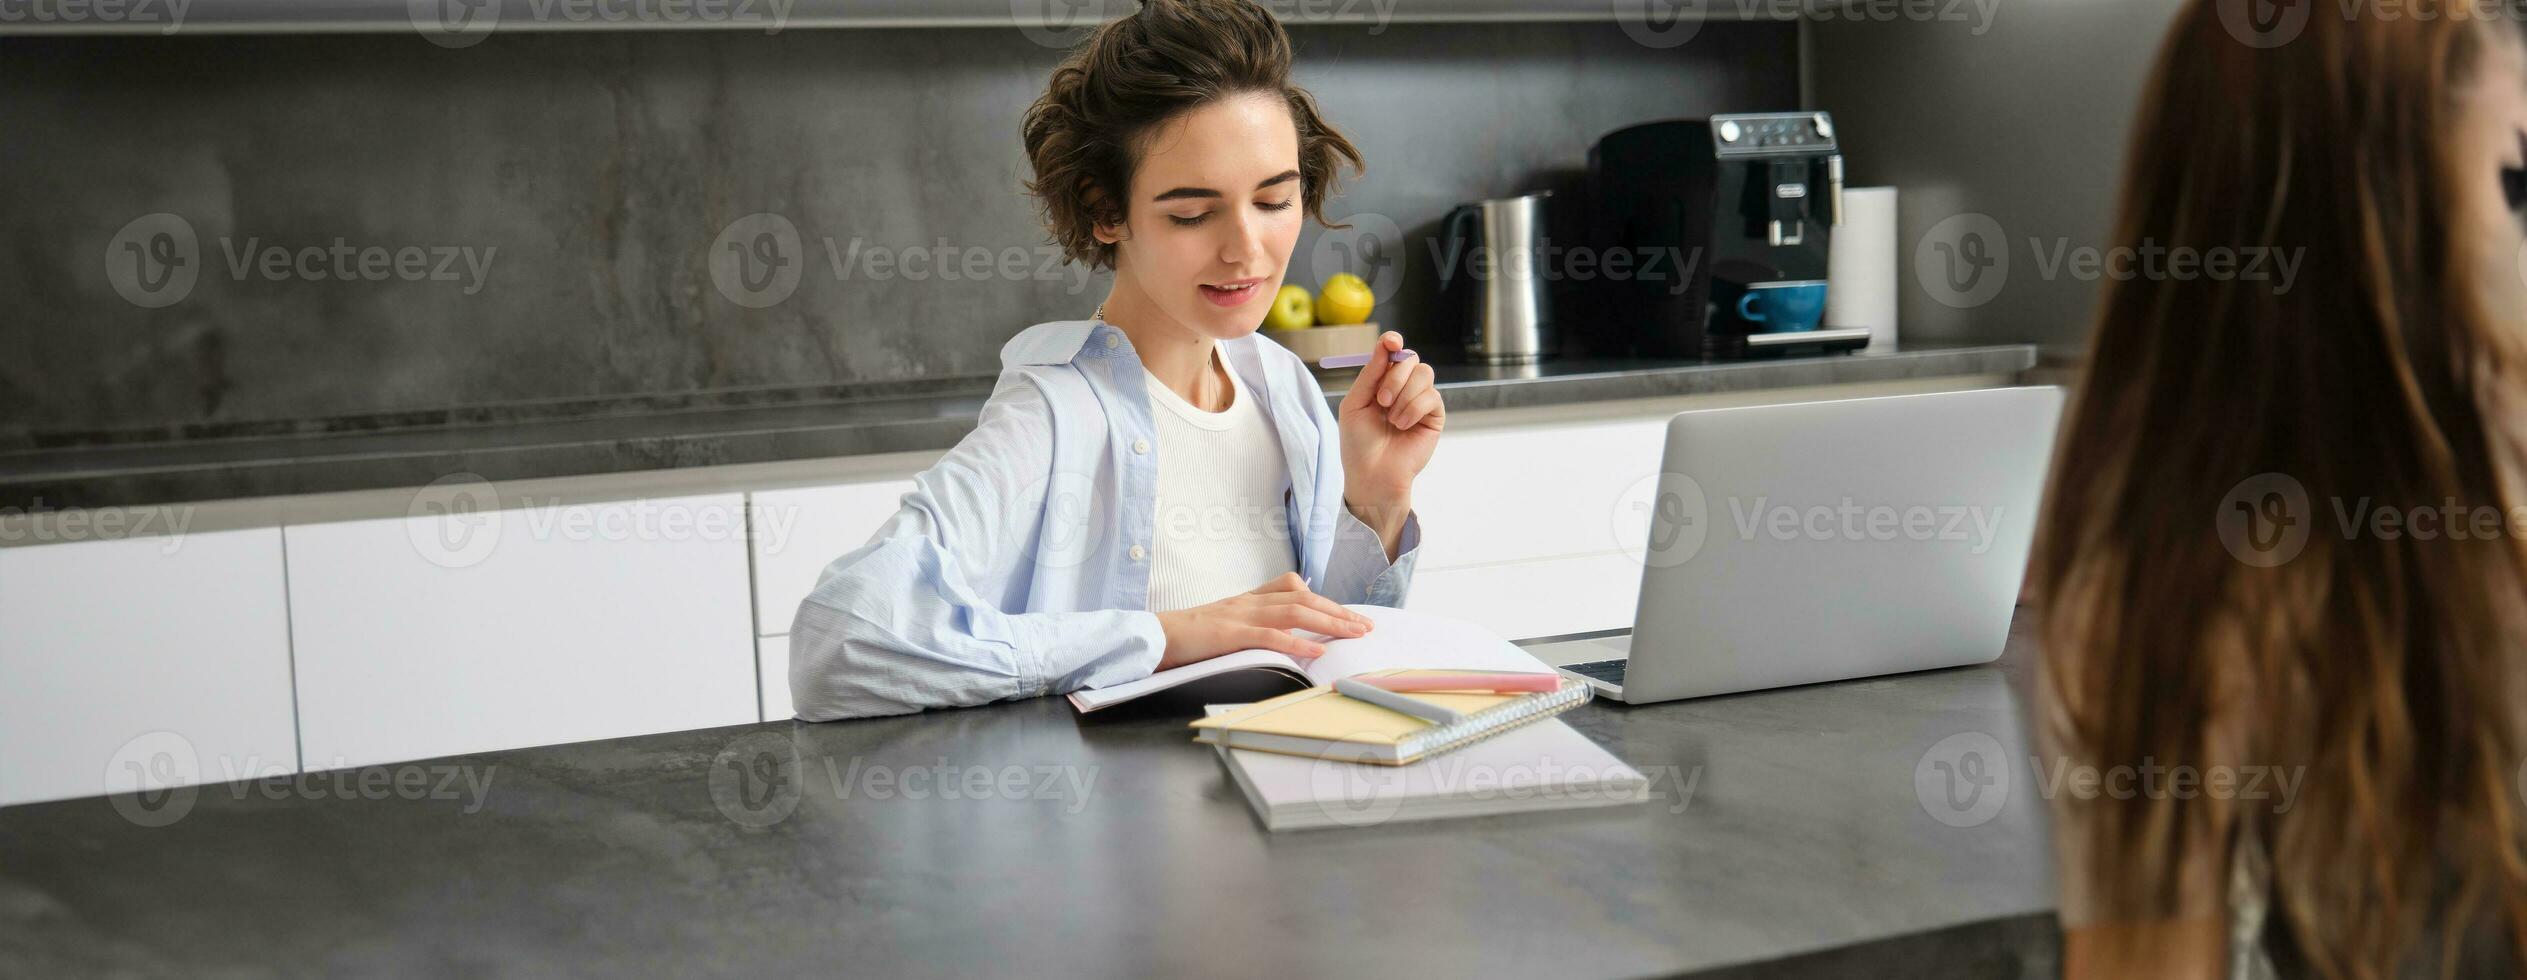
[[2387, 667]]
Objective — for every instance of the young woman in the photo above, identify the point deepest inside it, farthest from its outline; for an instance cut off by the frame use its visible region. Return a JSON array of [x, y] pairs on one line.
[[1154, 486], [2378, 664]]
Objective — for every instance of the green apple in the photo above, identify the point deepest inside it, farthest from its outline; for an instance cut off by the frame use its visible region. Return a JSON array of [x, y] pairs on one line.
[[1292, 309]]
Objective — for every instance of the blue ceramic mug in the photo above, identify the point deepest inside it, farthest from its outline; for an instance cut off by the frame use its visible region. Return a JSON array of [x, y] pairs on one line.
[[1783, 307]]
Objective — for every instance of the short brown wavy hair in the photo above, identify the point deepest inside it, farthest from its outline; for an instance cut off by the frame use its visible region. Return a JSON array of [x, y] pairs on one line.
[[1167, 58]]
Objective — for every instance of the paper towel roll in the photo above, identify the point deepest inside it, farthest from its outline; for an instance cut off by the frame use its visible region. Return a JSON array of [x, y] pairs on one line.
[[1860, 274]]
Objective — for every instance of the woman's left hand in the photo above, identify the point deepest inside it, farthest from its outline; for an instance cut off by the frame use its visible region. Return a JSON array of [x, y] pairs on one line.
[[1390, 425]]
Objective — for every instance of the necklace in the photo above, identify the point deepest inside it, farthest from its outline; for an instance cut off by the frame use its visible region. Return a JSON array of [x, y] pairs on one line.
[[1101, 312]]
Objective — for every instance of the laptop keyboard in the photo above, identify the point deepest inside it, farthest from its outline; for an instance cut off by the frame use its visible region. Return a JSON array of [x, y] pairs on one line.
[[1609, 671]]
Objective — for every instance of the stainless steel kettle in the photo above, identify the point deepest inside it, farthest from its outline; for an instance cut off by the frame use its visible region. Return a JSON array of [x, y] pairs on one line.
[[1493, 277]]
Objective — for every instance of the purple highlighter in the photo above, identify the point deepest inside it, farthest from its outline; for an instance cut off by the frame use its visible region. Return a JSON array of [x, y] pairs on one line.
[[1357, 360]]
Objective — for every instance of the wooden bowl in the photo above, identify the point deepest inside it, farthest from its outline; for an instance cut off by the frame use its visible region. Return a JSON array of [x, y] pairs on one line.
[[1316, 343]]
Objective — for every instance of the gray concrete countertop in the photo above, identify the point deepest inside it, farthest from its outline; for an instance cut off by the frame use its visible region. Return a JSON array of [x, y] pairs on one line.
[[1792, 833], [519, 442]]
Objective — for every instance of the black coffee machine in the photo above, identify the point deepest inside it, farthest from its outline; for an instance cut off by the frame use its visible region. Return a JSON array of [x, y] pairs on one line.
[[1721, 228]]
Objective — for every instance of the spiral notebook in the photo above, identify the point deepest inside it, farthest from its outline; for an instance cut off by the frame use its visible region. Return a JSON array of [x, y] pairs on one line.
[[1320, 723]]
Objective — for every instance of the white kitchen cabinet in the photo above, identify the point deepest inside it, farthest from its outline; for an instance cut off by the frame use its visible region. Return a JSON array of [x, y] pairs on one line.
[[161, 655], [799, 532], [435, 635], [1536, 530], [772, 660], [1525, 600], [1530, 493]]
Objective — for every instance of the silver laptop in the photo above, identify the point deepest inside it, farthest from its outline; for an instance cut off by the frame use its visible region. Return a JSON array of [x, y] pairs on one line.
[[1791, 544]]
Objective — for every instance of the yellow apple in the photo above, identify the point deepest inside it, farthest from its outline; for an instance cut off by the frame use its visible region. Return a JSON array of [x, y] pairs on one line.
[[1291, 309], [1345, 299]]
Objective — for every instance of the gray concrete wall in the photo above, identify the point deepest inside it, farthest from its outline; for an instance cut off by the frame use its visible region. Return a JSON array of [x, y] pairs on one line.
[[536, 216], [2020, 118]]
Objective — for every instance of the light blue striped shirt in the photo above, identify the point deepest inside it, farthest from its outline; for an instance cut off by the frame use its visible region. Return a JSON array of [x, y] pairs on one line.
[[1019, 564]]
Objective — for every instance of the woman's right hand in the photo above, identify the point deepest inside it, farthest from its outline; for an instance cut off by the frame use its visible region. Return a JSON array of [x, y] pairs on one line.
[[1258, 620]]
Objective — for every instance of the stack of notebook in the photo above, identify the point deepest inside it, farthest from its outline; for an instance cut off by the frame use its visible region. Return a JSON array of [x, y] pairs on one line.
[[1546, 765], [1321, 723], [1319, 758]]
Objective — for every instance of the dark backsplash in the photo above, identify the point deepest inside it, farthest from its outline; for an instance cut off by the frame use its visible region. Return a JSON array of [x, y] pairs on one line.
[[533, 219]]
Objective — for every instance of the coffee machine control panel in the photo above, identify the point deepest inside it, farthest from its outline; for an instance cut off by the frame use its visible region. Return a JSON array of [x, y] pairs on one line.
[[1754, 134]]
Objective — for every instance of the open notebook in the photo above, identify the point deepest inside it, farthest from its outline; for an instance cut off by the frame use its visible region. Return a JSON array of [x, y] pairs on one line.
[[1400, 639]]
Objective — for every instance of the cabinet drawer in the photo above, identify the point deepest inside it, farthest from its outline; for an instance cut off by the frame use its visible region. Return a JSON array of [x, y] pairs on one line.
[[1527, 493], [168, 656], [437, 635], [772, 662], [799, 532], [1525, 600]]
